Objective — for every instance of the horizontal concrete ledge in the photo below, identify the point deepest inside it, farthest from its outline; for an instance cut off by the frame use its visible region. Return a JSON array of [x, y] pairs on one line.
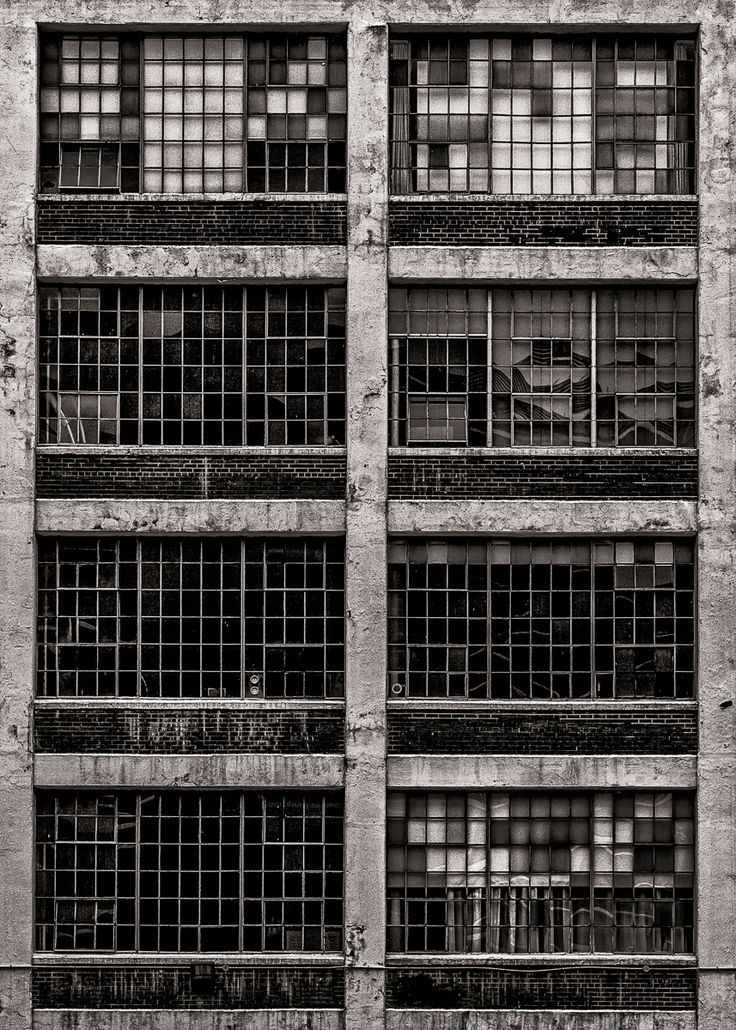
[[543, 1019], [163, 959], [410, 961], [547, 772], [189, 1019], [569, 264], [516, 517], [59, 262], [132, 516], [318, 772]]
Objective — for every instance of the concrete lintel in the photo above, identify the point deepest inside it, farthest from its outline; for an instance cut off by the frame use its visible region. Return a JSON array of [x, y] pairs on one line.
[[562, 772], [527, 516], [188, 1019], [160, 772], [141, 516], [571, 264], [70, 262], [459, 1019]]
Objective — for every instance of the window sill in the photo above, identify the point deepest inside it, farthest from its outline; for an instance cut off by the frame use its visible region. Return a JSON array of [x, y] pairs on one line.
[[585, 198], [573, 959], [191, 450], [183, 197], [195, 703], [185, 958], [443, 450], [528, 704]]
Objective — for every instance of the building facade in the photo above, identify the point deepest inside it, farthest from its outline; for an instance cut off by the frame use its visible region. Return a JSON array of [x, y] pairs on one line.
[[368, 465]]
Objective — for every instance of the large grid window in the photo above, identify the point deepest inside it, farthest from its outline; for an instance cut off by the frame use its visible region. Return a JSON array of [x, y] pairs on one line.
[[189, 872], [181, 617], [542, 367], [192, 114], [192, 365], [544, 872], [518, 619], [549, 115]]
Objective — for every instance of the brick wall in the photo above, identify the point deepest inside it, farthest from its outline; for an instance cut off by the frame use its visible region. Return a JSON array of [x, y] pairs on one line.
[[191, 476], [638, 730], [167, 729], [503, 223], [170, 222], [604, 476], [542, 988], [149, 987]]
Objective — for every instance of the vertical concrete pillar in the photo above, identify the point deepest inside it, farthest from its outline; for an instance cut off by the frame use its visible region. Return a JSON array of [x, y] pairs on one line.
[[716, 862], [365, 779], [17, 573]]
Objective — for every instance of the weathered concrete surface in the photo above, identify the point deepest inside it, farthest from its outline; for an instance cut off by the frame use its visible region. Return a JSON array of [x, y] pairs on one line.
[[176, 772], [57, 263], [123, 516], [565, 772], [189, 1019], [365, 543], [438, 1019], [488, 13], [716, 854], [572, 264], [17, 573], [518, 517]]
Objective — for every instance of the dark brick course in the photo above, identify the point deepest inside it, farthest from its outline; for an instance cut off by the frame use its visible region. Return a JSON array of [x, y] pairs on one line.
[[168, 729], [639, 730], [191, 476], [170, 222], [595, 476], [662, 988], [150, 987], [548, 223]]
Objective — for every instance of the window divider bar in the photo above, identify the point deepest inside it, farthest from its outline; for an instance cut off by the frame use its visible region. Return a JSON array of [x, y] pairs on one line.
[[140, 360], [593, 163], [138, 615], [593, 368], [489, 370]]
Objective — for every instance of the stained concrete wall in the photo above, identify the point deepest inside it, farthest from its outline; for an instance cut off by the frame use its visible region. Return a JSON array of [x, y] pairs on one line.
[[365, 517]]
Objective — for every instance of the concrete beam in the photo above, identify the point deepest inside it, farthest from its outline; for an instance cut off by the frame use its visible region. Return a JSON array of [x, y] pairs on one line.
[[71, 262], [188, 1019], [460, 1019], [523, 517], [530, 264], [179, 772], [303, 518], [547, 772]]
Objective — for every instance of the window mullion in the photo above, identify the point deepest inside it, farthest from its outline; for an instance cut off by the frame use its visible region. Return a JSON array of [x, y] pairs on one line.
[[489, 370], [593, 368], [140, 363], [137, 899], [593, 63], [243, 613], [138, 615]]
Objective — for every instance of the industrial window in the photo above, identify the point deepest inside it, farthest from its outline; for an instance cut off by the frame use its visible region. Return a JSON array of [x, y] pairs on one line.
[[526, 619], [192, 365], [193, 114], [181, 617], [544, 872], [548, 115], [189, 872], [90, 113], [542, 367]]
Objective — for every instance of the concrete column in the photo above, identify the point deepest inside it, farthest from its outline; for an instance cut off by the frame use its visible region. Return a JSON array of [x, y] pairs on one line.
[[716, 862], [17, 577], [365, 777]]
